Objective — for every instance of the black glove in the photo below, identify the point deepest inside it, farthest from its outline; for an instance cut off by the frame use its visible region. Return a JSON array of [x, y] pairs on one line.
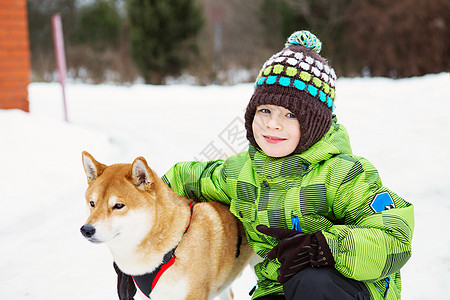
[[125, 285], [297, 250]]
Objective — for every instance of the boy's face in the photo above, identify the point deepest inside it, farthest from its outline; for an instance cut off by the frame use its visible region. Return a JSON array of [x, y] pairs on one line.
[[276, 130]]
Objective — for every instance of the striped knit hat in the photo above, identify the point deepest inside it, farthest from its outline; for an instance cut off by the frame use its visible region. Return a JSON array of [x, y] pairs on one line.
[[300, 80]]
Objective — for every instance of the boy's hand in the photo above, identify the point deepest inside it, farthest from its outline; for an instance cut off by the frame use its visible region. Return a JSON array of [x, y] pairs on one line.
[[297, 250]]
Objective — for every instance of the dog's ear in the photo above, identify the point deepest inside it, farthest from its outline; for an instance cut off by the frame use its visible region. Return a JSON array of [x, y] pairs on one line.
[[141, 174], [92, 168]]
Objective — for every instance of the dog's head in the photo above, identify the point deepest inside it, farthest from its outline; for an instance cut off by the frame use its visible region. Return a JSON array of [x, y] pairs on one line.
[[120, 198]]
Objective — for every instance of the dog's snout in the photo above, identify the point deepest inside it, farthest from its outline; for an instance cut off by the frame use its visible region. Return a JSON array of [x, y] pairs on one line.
[[87, 230]]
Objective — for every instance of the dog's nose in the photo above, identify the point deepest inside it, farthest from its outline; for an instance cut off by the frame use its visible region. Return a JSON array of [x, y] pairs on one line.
[[87, 230]]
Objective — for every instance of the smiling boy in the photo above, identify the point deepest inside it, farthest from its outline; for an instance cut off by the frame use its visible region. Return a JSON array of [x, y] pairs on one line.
[[319, 217]]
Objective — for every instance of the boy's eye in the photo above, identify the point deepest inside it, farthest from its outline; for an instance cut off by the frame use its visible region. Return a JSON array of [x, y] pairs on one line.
[[265, 111], [118, 206], [290, 115]]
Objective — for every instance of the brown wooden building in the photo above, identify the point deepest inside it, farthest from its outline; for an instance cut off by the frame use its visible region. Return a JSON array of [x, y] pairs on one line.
[[14, 55]]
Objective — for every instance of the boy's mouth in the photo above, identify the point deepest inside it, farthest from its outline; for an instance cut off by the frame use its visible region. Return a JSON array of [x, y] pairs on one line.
[[273, 139]]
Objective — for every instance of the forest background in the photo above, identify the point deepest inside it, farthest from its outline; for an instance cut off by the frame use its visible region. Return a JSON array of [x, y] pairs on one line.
[[225, 42]]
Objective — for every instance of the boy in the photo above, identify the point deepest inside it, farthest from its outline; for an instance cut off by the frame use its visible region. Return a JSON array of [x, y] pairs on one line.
[[318, 215]]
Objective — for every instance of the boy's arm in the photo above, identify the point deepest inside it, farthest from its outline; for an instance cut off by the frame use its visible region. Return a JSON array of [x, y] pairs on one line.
[[201, 181], [377, 242]]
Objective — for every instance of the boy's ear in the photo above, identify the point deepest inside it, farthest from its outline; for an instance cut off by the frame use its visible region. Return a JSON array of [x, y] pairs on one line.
[[92, 168]]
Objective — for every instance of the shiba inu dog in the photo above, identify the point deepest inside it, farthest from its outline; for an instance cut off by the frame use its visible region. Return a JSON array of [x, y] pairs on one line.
[[200, 247]]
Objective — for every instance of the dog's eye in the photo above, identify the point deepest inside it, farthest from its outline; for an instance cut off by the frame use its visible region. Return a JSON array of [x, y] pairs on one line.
[[92, 203], [118, 206]]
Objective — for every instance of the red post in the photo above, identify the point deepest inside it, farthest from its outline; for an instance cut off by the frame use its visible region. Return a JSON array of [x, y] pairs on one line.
[[58, 41]]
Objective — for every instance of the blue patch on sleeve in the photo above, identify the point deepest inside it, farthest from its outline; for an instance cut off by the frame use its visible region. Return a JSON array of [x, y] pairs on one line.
[[382, 202]]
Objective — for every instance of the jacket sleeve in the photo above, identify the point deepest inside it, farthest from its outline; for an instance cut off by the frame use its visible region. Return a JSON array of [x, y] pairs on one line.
[[375, 241], [201, 181]]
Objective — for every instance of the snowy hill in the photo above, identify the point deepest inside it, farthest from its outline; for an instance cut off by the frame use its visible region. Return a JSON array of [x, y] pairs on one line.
[[401, 126]]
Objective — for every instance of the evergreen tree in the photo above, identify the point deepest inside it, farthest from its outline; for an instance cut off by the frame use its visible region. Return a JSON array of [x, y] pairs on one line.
[[162, 36], [99, 25]]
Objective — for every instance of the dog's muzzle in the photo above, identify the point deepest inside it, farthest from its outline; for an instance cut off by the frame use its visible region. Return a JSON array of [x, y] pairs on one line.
[[87, 230]]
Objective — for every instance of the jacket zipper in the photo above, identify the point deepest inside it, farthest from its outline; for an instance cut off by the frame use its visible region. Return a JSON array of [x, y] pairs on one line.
[[295, 223], [388, 281]]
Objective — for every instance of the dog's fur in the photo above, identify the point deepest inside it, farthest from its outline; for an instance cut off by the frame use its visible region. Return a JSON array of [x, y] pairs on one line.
[[141, 219]]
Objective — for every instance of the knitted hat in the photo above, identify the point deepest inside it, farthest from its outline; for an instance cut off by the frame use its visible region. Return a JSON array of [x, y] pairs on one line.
[[300, 80]]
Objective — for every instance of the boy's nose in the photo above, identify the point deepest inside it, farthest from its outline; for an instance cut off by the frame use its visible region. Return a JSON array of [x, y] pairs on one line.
[[273, 123]]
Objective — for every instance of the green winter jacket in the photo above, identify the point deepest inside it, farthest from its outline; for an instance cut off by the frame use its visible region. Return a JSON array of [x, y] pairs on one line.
[[368, 227]]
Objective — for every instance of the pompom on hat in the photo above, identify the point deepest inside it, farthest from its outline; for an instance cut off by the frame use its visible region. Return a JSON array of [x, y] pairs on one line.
[[299, 79]]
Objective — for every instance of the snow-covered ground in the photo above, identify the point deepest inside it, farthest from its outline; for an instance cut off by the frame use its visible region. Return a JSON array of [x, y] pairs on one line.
[[401, 126]]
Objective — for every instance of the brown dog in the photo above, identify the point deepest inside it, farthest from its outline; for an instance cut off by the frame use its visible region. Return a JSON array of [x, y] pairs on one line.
[[145, 224]]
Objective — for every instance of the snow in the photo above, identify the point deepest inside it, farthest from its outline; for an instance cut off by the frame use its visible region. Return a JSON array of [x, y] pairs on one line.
[[401, 126]]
